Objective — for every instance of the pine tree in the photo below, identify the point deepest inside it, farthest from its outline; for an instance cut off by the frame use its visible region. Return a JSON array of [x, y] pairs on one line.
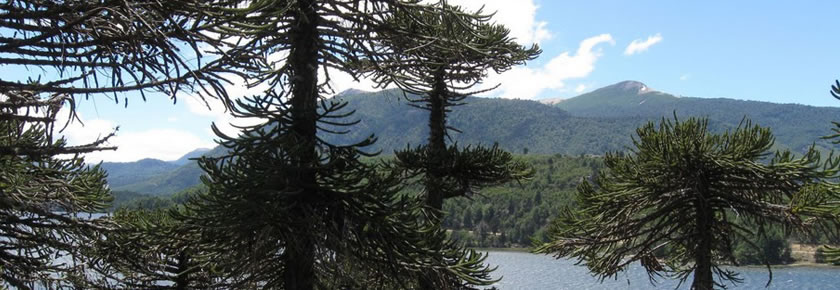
[[694, 192], [286, 209], [438, 71]]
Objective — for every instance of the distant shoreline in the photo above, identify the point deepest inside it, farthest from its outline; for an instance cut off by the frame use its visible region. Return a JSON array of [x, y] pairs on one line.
[[798, 261], [522, 250]]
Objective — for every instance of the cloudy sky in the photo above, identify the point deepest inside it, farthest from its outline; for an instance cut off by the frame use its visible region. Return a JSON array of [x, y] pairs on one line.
[[775, 51]]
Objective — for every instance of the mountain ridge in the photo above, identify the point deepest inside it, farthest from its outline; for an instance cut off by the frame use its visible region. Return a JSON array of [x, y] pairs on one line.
[[593, 123]]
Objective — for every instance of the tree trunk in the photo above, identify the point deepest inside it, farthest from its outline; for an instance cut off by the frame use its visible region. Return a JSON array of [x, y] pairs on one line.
[[182, 281], [437, 143], [439, 157], [703, 279], [299, 255]]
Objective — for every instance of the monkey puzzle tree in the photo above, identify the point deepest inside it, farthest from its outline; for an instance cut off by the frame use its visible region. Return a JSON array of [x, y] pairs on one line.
[[286, 209], [692, 191], [52, 52], [42, 195], [452, 53], [91, 47], [832, 254], [151, 249]]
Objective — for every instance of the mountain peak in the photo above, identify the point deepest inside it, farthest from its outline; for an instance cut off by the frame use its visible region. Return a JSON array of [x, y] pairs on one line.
[[632, 86], [350, 92]]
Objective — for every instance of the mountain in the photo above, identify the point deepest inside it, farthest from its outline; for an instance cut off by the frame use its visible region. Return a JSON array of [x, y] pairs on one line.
[[795, 126], [156, 177], [625, 99], [125, 173], [193, 154], [517, 125], [593, 123]]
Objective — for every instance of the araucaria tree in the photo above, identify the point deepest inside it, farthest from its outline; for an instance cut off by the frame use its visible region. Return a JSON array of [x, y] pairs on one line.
[[42, 195], [53, 52], [451, 53], [150, 250], [286, 209], [691, 192]]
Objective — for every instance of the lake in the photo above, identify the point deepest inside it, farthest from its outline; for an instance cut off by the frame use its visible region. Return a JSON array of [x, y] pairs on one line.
[[521, 270]]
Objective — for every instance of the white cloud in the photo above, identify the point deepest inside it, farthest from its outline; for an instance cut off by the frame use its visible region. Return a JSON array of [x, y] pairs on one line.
[[527, 83], [638, 45], [163, 144], [685, 77], [580, 88], [518, 16]]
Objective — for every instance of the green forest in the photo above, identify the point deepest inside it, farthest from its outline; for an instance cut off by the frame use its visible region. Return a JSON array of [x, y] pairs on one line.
[[514, 214], [331, 190]]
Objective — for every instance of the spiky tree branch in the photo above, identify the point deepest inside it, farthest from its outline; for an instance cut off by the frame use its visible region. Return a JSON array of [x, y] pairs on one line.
[[694, 192], [286, 209], [453, 52], [43, 198], [105, 47]]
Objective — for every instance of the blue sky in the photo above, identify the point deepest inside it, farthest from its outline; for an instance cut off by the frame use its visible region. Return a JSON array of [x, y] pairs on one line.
[[773, 51]]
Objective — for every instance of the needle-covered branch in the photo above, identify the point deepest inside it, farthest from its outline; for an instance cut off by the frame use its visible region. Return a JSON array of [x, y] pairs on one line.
[[695, 192]]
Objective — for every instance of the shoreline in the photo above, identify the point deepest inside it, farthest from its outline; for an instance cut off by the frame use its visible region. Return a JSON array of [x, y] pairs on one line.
[[795, 264]]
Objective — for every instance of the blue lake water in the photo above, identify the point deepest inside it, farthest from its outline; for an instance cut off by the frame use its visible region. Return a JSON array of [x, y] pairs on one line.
[[522, 270]]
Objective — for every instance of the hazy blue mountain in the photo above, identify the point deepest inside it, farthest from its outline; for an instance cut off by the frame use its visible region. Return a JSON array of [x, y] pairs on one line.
[[593, 123]]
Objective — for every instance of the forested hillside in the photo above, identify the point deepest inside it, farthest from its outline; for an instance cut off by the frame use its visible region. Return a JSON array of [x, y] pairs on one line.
[[500, 216], [593, 123], [157, 177]]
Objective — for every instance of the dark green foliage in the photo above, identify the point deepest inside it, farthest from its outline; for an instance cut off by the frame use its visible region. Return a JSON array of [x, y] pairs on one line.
[[150, 249], [772, 247], [137, 201], [43, 198], [93, 47], [466, 170], [521, 209], [510, 215], [453, 54], [286, 209], [124, 198], [54, 52], [693, 191]]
